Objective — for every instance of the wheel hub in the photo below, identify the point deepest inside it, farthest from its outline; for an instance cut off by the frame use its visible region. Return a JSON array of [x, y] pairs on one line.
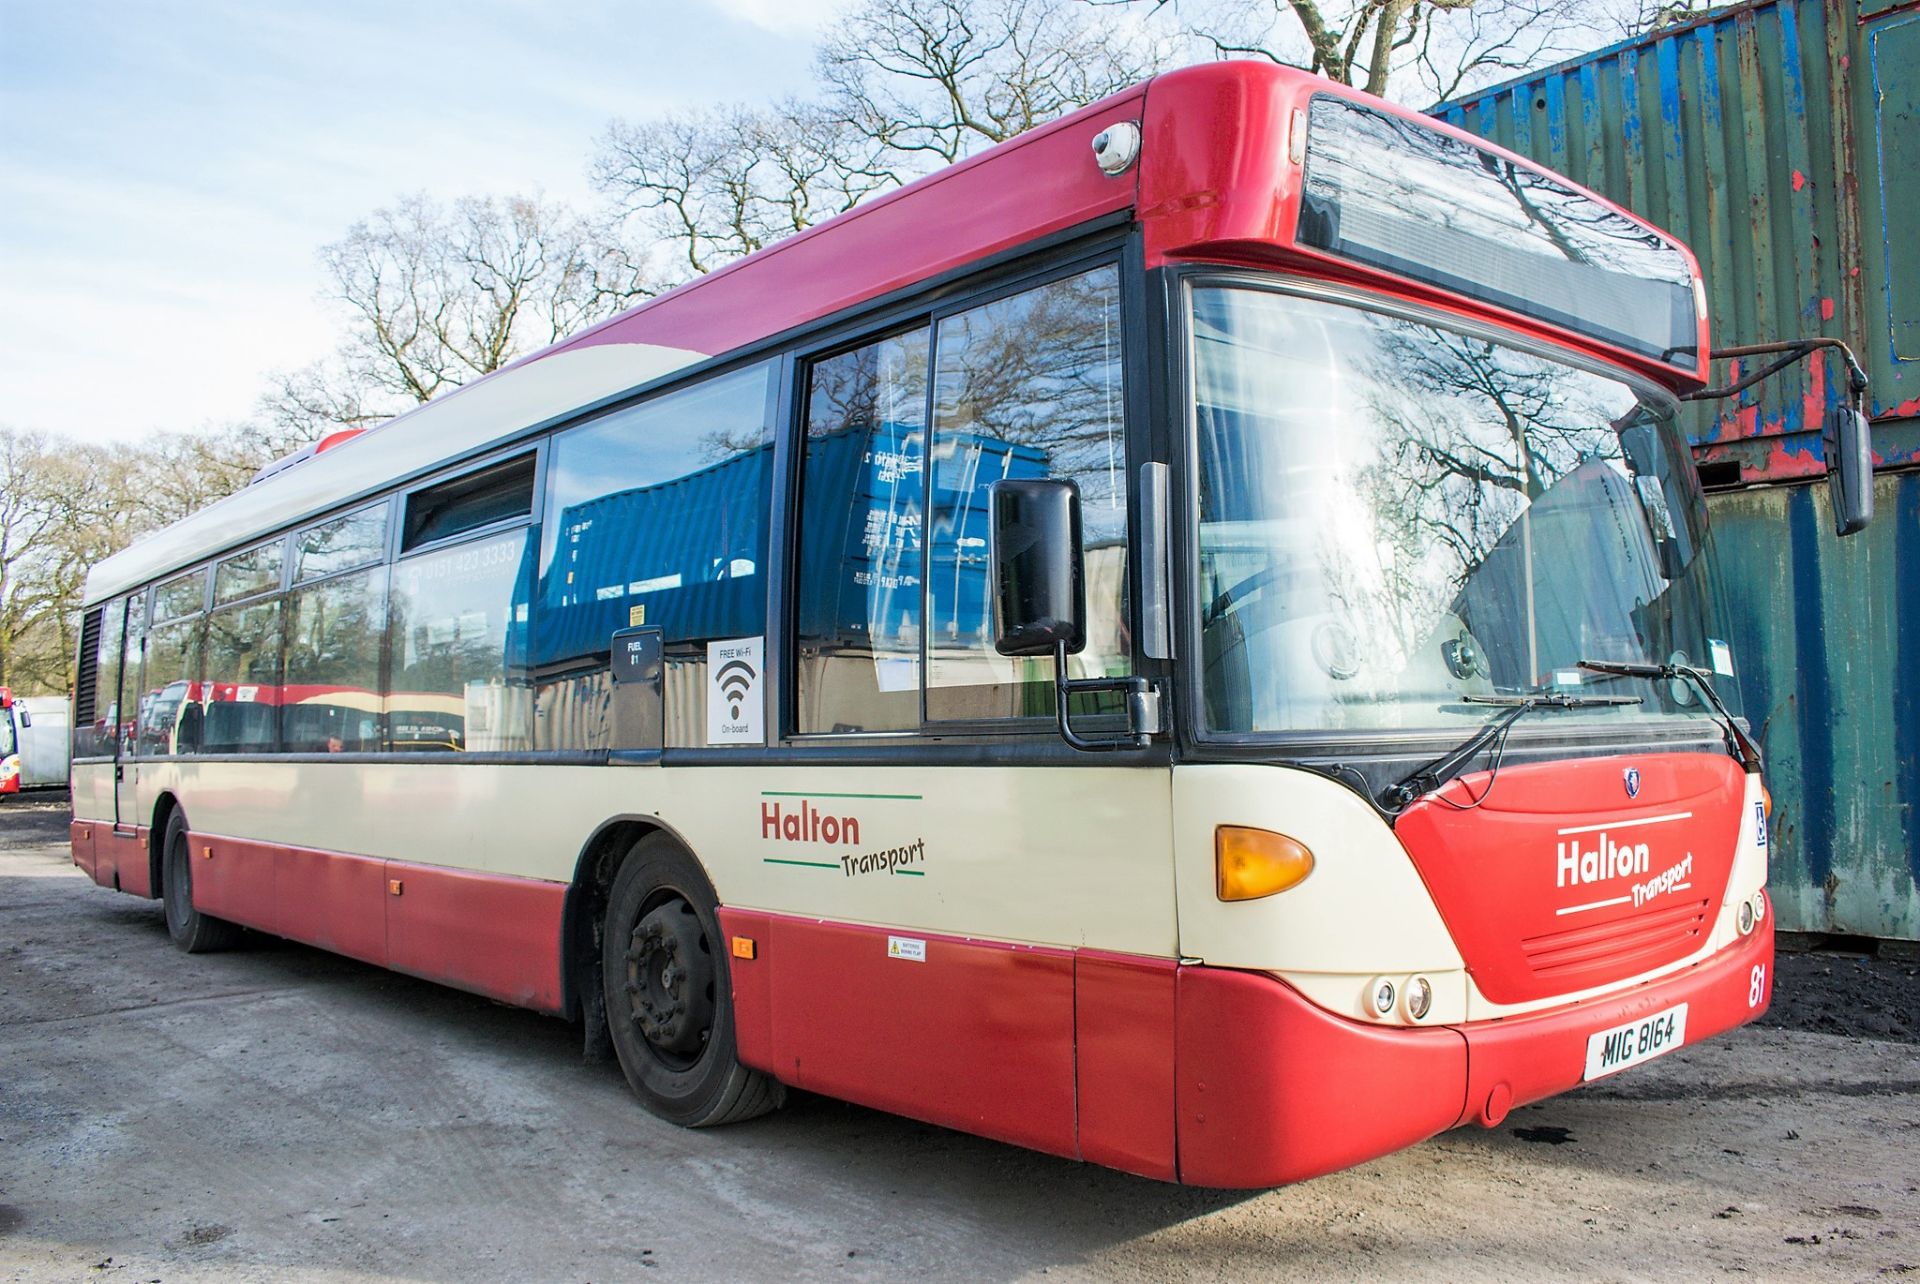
[[670, 980]]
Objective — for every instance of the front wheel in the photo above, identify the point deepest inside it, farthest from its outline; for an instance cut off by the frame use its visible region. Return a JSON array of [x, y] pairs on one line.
[[664, 976], [192, 931]]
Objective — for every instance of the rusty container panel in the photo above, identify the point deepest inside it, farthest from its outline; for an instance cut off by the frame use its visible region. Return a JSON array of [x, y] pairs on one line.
[[1826, 638], [1778, 141]]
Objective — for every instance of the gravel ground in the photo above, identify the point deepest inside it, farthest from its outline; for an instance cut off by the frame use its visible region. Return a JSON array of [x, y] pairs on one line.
[[278, 1112]]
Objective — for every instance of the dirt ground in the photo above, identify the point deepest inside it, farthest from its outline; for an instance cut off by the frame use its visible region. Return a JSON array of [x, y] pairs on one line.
[[278, 1112]]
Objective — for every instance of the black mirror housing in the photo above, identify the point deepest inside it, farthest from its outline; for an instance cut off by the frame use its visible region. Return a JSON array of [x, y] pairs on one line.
[[1039, 584], [1849, 448]]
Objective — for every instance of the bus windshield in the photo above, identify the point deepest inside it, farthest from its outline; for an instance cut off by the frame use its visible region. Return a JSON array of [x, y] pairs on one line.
[[1399, 521]]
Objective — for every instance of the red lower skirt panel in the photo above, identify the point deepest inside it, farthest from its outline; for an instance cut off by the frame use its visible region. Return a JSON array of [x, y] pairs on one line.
[[487, 933], [113, 857], [1273, 1089], [972, 1035], [1069, 1052], [80, 836]]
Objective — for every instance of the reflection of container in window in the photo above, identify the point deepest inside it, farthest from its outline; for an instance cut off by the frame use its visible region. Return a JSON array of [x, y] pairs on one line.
[[473, 626]]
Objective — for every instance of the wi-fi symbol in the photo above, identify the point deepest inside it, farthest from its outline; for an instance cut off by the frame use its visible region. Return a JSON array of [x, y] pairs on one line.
[[736, 680]]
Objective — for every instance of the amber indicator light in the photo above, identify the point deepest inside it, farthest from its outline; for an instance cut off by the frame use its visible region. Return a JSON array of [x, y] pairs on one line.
[[743, 947], [1251, 863]]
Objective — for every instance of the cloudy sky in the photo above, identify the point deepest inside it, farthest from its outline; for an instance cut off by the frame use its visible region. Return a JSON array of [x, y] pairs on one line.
[[167, 171]]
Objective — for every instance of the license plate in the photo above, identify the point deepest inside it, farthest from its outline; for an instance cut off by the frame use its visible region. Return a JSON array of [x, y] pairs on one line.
[[1636, 1041]]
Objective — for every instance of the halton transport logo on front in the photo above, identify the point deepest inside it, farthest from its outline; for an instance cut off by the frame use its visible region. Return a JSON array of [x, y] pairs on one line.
[[809, 826], [1588, 855]]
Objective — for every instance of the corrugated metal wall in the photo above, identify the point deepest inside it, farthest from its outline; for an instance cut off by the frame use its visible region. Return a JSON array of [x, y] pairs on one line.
[[1781, 141]]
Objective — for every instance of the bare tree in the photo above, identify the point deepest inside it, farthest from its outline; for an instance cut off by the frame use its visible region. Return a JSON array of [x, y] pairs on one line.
[[1416, 49], [934, 80], [438, 295], [908, 86], [721, 183]]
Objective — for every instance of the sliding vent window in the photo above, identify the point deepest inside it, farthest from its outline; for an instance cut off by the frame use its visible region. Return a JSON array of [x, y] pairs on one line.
[[472, 502], [860, 557], [458, 628], [1025, 387], [656, 519]]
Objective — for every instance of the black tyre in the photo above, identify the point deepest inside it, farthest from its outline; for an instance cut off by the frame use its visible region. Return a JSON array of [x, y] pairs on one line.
[[192, 931], [669, 1009]]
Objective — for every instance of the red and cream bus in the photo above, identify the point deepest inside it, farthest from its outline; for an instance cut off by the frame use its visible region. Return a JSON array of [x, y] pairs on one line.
[[1186, 640]]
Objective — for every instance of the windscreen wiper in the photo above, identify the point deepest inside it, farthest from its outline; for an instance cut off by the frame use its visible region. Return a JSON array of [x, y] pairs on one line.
[[1425, 779], [1739, 744]]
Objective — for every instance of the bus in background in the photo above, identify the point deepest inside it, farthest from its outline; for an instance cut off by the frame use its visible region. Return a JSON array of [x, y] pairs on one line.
[[34, 741], [1187, 641], [9, 745]]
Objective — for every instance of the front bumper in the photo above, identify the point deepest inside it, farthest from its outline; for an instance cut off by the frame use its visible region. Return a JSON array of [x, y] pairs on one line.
[[1272, 1089]]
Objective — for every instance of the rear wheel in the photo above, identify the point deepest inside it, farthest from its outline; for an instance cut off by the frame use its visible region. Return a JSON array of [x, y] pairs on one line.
[[192, 931], [664, 976]]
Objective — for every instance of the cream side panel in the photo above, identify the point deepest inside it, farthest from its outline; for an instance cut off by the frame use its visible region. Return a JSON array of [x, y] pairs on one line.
[[1068, 856], [1363, 910], [93, 791]]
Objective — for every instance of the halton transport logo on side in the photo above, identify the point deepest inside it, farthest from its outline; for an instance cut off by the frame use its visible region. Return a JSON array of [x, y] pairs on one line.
[[1588, 855], [810, 825]]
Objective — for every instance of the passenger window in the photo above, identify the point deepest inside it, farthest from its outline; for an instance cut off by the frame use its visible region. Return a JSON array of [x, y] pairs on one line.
[[170, 716], [242, 688], [343, 544], [331, 696], [458, 624], [655, 518], [254, 571], [1026, 386], [860, 559], [470, 502]]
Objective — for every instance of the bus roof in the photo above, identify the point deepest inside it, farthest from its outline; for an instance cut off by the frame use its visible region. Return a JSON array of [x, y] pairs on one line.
[[1214, 182]]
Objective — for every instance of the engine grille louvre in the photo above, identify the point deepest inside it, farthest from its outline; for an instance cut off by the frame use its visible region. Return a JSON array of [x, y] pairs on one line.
[[86, 671], [1614, 947]]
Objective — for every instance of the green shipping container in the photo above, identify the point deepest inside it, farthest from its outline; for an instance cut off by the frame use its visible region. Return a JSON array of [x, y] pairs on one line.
[[1781, 142]]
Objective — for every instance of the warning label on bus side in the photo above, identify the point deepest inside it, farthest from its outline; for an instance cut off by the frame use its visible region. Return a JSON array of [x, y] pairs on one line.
[[734, 702]]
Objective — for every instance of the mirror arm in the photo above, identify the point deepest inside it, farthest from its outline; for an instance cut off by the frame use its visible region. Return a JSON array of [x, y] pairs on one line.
[[1143, 707], [1792, 350]]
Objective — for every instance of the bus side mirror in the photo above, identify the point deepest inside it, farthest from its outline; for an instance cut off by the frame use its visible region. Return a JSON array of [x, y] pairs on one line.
[[1849, 445], [1039, 585]]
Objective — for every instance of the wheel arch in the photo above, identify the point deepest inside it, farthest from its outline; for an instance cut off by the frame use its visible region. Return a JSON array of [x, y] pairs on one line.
[[585, 907], [164, 808]]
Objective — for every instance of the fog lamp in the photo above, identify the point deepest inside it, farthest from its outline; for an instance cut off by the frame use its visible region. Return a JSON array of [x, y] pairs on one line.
[[1419, 997], [1743, 918], [1251, 863], [1759, 902]]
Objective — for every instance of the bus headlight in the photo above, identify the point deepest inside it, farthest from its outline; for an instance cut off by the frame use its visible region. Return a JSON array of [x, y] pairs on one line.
[[1380, 997], [1251, 863], [1743, 917], [1418, 997]]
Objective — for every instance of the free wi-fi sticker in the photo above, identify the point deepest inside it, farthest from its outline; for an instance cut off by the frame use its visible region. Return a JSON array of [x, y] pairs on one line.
[[734, 701]]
